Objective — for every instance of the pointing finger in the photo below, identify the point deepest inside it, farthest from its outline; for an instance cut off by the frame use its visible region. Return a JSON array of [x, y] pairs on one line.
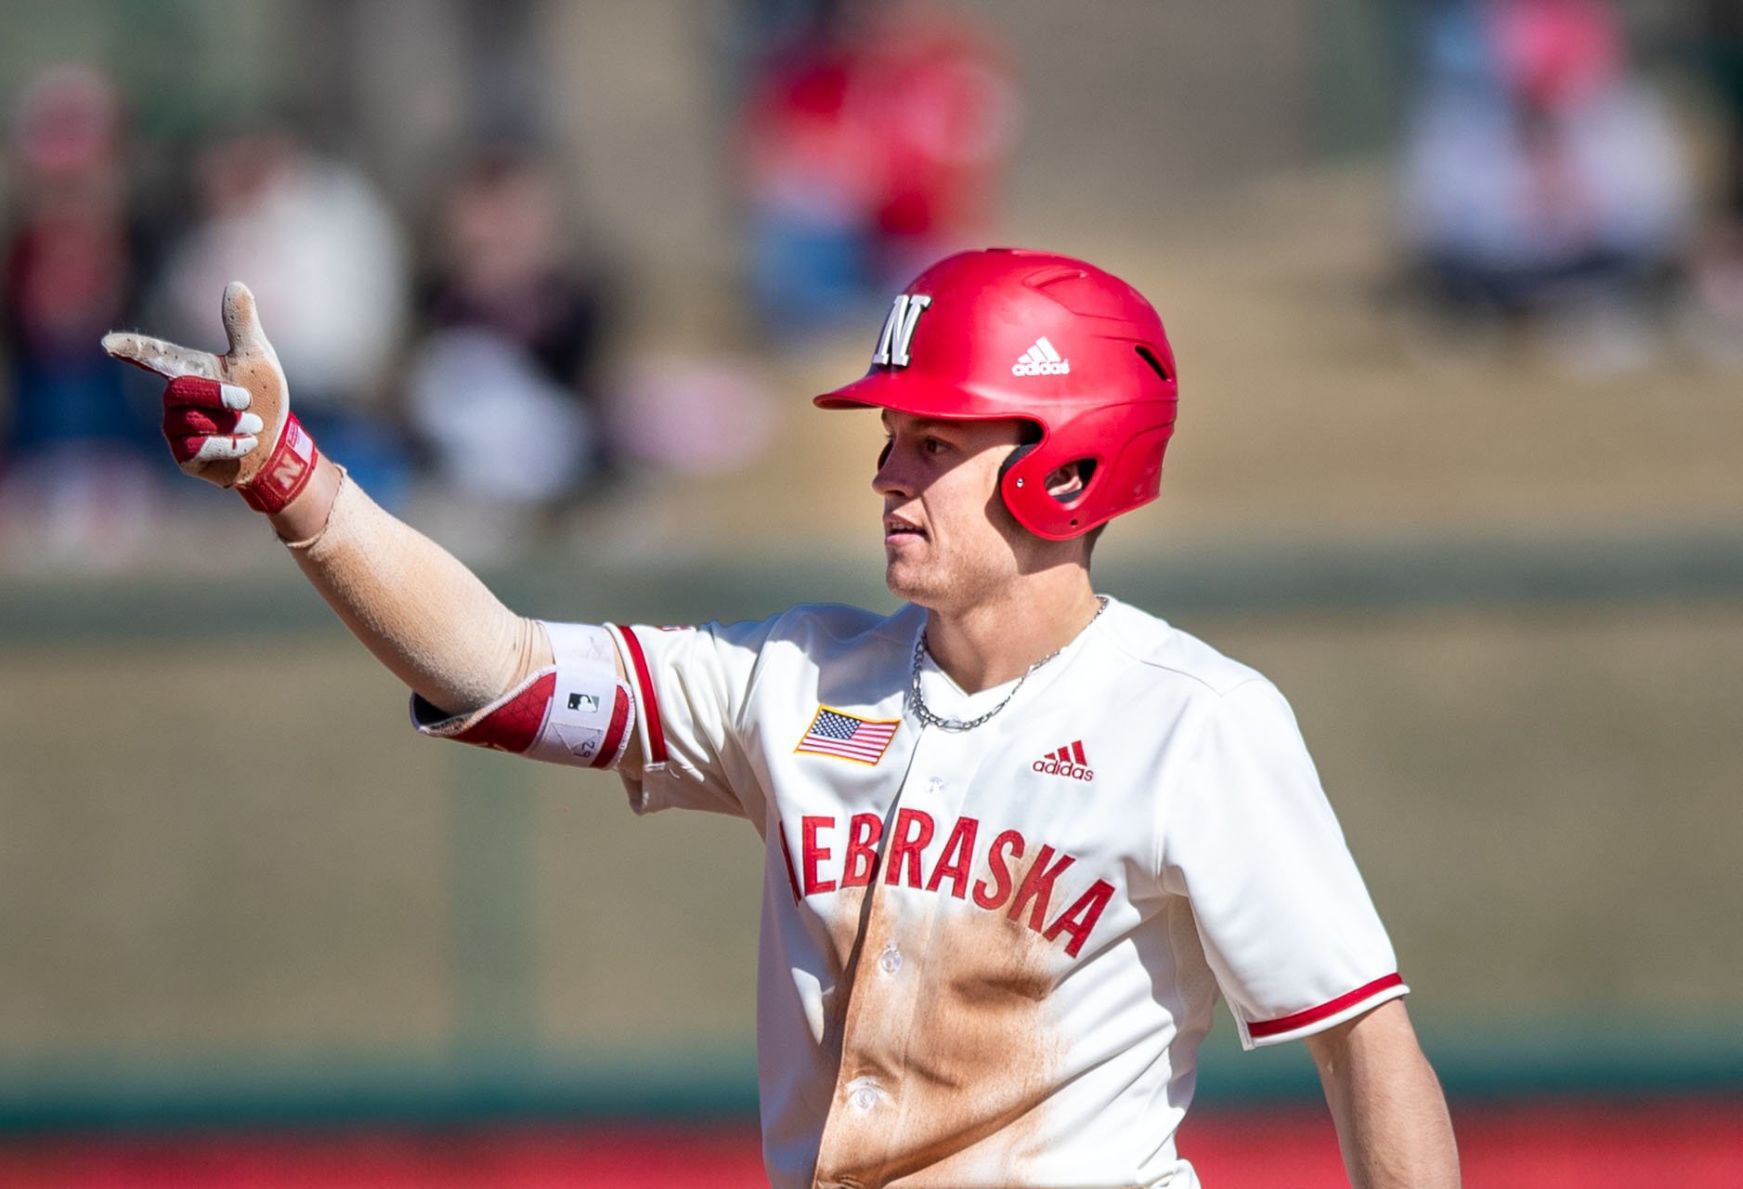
[[164, 358]]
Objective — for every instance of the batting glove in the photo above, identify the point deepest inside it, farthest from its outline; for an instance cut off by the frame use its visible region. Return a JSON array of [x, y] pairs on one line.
[[227, 417]]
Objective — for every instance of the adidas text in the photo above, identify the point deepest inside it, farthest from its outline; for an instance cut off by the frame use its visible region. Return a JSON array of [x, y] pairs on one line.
[[1041, 359], [1062, 768]]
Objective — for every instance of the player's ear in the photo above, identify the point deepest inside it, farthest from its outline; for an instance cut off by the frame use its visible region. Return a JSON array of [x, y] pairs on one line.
[[1066, 481]]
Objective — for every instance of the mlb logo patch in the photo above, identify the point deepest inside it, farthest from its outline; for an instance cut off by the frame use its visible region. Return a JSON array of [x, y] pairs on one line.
[[843, 736]]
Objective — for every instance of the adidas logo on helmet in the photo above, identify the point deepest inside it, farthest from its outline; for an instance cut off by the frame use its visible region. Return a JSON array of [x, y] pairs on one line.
[[1041, 360]]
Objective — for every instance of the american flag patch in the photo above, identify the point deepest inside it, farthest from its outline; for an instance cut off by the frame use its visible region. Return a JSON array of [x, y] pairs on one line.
[[848, 736]]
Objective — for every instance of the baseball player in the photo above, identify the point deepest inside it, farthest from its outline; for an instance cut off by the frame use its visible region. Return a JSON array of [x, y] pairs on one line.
[[1018, 835]]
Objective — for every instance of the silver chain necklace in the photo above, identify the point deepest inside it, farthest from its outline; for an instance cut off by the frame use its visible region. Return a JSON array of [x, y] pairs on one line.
[[924, 712]]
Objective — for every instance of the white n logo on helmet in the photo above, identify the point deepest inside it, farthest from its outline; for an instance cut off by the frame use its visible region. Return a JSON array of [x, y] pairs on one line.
[[899, 330]]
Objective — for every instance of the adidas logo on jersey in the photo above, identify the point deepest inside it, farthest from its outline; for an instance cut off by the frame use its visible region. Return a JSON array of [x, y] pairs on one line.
[[1067, 761], [1041, 360]]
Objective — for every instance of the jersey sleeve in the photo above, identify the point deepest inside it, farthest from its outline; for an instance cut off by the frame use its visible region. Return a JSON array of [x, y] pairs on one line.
[[691, 686], [1249, 838]]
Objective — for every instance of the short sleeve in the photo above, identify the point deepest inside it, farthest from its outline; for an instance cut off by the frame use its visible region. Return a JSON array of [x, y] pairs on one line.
[[1249, 838], [691, 686]]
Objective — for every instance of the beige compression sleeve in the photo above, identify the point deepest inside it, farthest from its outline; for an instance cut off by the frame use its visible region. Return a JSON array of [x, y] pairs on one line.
[[417, 608]]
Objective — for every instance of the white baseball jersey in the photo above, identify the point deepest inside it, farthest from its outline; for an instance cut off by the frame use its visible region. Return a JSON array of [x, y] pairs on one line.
[[988, 957]]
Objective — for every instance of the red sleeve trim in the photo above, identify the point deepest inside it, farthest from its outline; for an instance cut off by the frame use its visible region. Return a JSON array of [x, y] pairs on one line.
[[651, 705], [1314, 1015], [608, 748]]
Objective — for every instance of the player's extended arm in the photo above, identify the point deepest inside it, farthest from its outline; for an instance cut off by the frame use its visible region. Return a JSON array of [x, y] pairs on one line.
[[422, 613], [1391, 1117]]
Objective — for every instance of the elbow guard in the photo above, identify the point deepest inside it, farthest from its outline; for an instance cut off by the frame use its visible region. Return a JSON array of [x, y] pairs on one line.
[[574, 712]]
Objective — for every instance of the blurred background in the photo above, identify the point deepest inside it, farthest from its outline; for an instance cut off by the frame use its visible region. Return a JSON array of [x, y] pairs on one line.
[[1457, 291]]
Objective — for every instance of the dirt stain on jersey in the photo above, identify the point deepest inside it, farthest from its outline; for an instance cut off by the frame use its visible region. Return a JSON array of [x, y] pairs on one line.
[[847, 931], [954, 1043]]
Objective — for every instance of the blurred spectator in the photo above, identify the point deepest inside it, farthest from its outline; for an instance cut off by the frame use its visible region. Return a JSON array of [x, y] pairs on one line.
[[79, 479], [1541, 179], [872, 144], [1718, 308], [1724, 42], [504, 387], [324, 255], [694, 415]]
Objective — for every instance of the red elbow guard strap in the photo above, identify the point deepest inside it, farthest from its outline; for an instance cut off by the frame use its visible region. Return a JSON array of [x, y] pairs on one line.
[[576, 712]]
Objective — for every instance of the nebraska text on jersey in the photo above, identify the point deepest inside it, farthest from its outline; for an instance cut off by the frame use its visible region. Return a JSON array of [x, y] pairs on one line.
[[980, 968], [958, 853]]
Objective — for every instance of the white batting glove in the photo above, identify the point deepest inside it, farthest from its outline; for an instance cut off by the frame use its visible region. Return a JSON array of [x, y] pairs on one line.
[[227, 417]]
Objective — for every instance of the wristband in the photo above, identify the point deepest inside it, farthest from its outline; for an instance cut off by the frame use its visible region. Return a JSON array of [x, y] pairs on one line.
[[287, 471]]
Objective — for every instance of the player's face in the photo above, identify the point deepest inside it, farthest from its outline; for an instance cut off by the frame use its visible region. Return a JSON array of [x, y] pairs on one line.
[[949, 541]]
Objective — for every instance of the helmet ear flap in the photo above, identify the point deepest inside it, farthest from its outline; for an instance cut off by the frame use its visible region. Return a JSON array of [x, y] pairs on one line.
[[1011, 491], [1086, 466]]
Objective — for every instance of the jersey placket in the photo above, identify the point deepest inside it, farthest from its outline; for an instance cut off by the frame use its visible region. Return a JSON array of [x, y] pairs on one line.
[[869, 1111]]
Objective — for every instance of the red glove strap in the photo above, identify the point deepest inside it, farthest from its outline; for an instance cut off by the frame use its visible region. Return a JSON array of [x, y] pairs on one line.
[[286, 473]]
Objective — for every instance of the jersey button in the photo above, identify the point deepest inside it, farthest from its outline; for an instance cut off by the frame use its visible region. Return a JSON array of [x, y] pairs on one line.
[[890, 960], [862, 1093], [935, 785]]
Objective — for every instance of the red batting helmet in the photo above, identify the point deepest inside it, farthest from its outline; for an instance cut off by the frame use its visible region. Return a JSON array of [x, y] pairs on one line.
[[1047, 339]]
